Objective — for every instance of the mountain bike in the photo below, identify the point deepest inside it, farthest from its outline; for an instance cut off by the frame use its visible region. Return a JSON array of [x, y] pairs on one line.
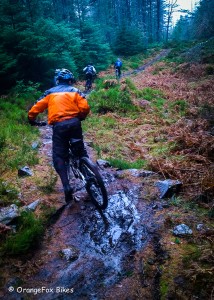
[[117, 73], [87, 174], [88, 84]]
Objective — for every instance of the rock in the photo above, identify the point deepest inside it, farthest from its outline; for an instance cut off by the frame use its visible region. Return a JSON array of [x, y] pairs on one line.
[[146, 173], [168, 187], [35, 145], [70, 254], [25, 171], [7, 214], [144, 103], [200, 227], [180, 281], [181, 230], [103, 163], [32, 206], [136, 172], [140, 173]]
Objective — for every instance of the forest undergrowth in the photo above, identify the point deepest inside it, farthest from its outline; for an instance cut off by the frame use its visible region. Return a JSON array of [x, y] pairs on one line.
[[164, 117]]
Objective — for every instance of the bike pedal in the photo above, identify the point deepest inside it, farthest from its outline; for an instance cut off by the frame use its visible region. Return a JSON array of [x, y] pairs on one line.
[[76, 198]]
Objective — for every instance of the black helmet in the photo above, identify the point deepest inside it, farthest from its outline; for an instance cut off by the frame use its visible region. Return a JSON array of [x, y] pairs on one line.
[[63, 75]]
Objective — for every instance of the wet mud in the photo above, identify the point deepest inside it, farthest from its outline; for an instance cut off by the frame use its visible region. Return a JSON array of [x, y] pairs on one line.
[[105, 242]]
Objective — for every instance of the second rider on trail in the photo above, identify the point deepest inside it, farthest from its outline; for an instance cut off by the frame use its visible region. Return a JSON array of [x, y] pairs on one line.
[[90, 73], [67, 107]]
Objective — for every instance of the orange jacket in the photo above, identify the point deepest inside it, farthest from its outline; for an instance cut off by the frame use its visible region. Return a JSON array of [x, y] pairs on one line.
[[63, 102]]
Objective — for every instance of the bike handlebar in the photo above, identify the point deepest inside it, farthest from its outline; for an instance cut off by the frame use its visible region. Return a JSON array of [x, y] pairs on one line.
[[36, 123]]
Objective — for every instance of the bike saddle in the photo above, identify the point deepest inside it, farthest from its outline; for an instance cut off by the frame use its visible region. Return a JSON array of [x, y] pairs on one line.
[[75, 141]]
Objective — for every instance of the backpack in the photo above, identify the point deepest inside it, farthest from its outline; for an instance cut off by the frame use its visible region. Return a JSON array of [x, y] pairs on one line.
[[90, 70], [118, 63]]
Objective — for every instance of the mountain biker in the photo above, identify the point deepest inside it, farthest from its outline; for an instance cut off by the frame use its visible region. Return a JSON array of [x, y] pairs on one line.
[[67, 107], [117, 65], [90, 72], [55, 82]]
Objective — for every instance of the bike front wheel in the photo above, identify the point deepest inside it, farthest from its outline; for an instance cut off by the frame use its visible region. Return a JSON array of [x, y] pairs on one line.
[[94, 183]]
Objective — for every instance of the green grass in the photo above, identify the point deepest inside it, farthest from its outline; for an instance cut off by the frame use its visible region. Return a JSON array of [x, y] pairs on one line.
[[49, 182], [180, 106], [16, 135], [16, 151], [120, 101], [111, 100], [163, 149], [192, 252], [150, 94], [175, 201], [124, 165], [28, 235], [8, 193], [135, 61], [164, 287]]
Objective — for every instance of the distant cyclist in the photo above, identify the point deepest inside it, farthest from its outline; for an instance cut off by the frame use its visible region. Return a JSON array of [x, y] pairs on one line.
[[90, 73], [117, 65]]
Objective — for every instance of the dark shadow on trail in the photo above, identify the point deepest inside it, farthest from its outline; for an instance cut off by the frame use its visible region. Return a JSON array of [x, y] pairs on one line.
[[55, 216]]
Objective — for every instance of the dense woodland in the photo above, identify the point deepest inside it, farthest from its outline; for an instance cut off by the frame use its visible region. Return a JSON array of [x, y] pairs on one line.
[[39, 36]]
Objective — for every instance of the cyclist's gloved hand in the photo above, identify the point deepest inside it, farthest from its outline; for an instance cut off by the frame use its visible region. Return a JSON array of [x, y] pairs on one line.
[[32, 122], [35, 123]]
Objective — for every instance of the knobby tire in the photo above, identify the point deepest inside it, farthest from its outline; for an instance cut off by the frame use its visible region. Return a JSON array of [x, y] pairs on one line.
[[88, 85], [117, 74], [94, 183]]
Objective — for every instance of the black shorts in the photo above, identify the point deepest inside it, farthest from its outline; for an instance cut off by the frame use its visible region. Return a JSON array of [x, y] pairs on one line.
[[63, 132]]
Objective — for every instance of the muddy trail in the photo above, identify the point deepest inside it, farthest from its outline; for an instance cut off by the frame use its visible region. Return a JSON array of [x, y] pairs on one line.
[[88, 254]]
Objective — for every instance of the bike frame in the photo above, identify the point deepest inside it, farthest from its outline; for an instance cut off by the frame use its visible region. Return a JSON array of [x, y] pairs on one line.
[[87, 172]]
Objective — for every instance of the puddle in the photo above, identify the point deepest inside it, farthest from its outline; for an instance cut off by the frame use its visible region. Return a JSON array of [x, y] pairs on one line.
[[118, 223]]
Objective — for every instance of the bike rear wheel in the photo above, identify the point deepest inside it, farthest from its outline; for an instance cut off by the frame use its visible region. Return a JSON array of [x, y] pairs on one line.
[[88, 85], [117, 74], [94, 183]]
